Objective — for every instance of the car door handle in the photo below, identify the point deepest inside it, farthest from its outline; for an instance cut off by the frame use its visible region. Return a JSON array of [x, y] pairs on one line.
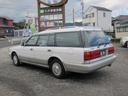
[[49, 50], [31, 49]]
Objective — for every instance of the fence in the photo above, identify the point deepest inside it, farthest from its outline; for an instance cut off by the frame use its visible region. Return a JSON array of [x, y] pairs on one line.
[[21, 33]]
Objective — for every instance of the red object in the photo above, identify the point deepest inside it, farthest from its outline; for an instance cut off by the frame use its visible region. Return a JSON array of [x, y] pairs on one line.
[[10, 23], [92, 55], [4, 21], [111, 50], [1, 22]]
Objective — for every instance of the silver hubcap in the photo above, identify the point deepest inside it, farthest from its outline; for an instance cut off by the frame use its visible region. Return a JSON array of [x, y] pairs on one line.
[[15, 60], [56, 68]]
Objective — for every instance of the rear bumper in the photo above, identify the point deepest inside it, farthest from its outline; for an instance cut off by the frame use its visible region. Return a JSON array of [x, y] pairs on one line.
[[87, 68]]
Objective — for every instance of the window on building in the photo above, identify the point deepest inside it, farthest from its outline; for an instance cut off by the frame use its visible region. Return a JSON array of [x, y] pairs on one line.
[[118, 29], [121, 30], [94, 24], [92, 15], [126, 29], [5, 22], [86, 16], [104, 14]]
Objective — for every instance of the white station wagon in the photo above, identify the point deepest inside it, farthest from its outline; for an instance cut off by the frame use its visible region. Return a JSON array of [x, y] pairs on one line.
[[71, 49]]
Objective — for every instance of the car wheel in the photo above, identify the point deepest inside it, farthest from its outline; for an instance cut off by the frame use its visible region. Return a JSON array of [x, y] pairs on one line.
[[15, 59], [57, 69]]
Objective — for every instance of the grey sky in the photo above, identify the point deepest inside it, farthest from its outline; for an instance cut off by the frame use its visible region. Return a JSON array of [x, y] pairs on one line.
[[18, 9]]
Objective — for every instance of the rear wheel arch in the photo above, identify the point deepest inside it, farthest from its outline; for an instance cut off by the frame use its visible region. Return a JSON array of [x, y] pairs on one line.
[[50, 60], [53, 58]]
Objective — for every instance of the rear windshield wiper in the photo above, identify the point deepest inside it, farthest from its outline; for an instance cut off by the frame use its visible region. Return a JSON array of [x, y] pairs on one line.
[[105, 44]]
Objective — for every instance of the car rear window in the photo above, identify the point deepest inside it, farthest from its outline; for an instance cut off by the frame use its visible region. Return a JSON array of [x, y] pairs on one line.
[[96, 38]]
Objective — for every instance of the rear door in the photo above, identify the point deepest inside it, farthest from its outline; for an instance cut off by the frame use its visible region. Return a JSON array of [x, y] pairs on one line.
[[41, 51], [44, 49], [69, 48]]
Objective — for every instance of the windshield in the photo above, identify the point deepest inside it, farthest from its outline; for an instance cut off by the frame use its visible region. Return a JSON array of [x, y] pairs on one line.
[[96, 38]]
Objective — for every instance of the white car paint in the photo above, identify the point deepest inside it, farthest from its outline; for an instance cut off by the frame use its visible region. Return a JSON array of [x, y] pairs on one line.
[[124, 41], [71, 57]]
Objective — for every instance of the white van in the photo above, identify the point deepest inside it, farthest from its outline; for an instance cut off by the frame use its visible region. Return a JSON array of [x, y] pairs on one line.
[[74, 49]]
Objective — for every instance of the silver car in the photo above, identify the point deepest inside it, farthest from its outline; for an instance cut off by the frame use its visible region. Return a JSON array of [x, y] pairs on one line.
[[124, 42]]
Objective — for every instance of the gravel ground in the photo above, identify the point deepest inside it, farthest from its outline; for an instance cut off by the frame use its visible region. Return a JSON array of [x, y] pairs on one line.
[[29, 80], [4, 43]]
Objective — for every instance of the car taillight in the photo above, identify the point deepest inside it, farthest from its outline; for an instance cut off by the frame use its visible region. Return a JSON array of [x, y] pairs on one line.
[[111, 50], [92, 55]]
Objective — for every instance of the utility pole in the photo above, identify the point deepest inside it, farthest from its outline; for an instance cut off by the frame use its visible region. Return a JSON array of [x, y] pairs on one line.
[[82, 5], [73, 16], [39, 23]]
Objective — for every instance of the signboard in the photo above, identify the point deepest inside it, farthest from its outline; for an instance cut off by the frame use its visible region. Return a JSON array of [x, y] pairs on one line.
[[51, 13], [54, 3], [51, 10]]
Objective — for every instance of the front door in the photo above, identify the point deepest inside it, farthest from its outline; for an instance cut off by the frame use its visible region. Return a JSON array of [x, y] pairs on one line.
[[28, 50], [44, 50]]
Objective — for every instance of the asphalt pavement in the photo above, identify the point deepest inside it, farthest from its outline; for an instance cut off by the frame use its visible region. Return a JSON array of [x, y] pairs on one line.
[[4, 43], [29, 80]]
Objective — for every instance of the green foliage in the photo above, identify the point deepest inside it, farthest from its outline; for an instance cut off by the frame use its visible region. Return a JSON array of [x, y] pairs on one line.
[[19, 25]]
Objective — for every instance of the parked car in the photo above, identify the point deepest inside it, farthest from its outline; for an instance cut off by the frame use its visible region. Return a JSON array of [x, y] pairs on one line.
[[76, 49], [124, 42]]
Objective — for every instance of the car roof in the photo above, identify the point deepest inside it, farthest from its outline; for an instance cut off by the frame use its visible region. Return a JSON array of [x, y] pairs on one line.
[[70, 29]]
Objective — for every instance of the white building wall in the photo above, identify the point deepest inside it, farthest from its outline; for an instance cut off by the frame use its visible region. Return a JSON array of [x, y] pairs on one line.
[[100, 21], [105, 22], [121, 34], [92, 19]]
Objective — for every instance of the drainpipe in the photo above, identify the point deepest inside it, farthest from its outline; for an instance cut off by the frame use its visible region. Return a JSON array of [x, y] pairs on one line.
[[97, 19]]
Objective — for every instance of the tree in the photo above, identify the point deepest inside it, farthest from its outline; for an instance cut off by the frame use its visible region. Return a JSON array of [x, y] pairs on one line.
[[19, 25]]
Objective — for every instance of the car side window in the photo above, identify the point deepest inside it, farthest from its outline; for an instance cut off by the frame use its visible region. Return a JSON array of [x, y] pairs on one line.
[[71, 39], [51, 40], [31, 41], [43, 40]]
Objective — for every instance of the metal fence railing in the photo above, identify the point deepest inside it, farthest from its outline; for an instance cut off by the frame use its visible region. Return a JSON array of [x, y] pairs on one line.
[[21, 33]]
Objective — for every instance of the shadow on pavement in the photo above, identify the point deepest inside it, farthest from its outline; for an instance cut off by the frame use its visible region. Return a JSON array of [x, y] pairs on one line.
[[71, 75]]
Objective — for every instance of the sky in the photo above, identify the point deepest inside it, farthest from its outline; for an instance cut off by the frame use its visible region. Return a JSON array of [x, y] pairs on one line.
[[18, 9]]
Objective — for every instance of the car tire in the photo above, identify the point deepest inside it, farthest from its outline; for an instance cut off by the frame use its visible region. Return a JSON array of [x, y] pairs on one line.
[[15, 59], [57, 69], [126, 45]]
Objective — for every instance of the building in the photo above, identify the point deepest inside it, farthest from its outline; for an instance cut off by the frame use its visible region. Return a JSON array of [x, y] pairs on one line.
[[100, 17], [73, 24], [6, 27], [120, 25]]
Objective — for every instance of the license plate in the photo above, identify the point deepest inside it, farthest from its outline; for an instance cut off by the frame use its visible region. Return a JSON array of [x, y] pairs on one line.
[[103, 52]]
